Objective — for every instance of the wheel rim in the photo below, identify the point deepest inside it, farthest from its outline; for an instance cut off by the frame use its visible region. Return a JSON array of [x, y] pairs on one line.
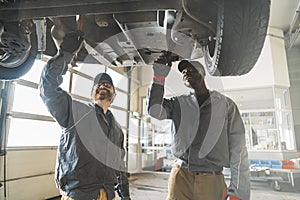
[[11, 61], [14, 47], [213, 48]]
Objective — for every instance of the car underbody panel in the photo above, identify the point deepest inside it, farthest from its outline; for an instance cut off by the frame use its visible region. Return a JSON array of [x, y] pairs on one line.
[[128, 33]]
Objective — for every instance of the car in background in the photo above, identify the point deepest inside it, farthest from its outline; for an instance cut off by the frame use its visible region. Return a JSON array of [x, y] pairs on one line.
[[229, 34]]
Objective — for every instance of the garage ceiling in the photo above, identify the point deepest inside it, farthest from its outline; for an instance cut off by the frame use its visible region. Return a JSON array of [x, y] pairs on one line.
[[282, 14]]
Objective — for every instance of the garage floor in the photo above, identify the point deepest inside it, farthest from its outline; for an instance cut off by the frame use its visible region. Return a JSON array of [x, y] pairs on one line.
[[153, 186]]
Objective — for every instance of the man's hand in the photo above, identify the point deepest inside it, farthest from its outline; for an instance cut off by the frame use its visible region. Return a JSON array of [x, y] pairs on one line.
[[227, 196], [231, 197], [165, 58], [72, 42], [122, 187], [162, 67], [124, 195]]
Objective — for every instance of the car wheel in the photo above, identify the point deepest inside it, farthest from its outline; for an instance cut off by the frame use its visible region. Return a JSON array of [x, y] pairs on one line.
[[18, 49], [241, 31]]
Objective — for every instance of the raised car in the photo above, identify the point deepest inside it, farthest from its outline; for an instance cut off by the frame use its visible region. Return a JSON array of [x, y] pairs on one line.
[[229, 34]]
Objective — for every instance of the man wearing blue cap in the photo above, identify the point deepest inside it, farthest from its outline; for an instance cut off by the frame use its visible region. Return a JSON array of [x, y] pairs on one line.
[[208, 134], [90, 154]]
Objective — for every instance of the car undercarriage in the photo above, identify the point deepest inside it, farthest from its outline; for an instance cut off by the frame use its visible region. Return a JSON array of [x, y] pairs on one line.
[[229, 34]]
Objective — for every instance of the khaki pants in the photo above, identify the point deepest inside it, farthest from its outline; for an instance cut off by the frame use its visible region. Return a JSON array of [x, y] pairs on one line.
[[185, 185], [102, 196]]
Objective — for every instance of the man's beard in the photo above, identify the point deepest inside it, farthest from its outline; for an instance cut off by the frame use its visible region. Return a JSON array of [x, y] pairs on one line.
[[106, 96]]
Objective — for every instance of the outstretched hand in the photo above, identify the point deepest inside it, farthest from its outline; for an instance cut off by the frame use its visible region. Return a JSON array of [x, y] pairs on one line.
[[72, 42], [164, 59], [162, 67], [231, 197], [227, 196]]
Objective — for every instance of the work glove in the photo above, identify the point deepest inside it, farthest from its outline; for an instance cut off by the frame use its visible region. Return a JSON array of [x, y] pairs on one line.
[[69, 47], [122, 188], [227, 196], [161, 68], [231, 197], [72, 42]]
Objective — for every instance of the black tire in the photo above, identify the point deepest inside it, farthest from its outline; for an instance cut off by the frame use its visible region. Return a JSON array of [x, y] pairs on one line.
[[15, 66], [241, 31]]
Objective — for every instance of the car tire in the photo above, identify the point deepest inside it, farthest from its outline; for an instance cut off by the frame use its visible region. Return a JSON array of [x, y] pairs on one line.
[[14, 66], [241, 31]]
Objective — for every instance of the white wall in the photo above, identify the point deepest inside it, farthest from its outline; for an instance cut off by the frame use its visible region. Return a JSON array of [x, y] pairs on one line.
[[294, 72], [278, 52], [30, 174]]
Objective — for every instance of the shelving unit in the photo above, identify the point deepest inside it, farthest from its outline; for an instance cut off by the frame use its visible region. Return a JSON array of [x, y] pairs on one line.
[[268, 121], [261, 132]]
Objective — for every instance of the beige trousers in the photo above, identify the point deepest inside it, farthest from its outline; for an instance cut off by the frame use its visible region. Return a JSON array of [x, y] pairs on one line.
[[102, 196], [185, 185]]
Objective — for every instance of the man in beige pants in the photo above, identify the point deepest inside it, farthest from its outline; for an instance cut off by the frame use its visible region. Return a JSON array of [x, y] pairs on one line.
[[208, 134]]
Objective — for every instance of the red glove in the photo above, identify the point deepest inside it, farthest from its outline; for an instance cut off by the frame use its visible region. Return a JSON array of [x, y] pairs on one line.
[[161, 67], [229, 196]]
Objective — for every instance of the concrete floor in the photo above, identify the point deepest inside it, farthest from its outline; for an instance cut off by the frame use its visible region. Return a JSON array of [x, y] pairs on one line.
[[153, 186]]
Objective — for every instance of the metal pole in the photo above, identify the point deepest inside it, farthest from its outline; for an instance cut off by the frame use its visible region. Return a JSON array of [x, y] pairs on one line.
[[129, 70], [3, 130]]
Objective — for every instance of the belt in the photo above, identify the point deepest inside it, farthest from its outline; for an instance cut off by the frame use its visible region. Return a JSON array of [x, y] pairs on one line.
[[200, 172], [208, 172]]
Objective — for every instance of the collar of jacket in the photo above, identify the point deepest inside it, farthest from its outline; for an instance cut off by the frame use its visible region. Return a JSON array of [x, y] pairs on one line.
[[214, 96], [99, 109]]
